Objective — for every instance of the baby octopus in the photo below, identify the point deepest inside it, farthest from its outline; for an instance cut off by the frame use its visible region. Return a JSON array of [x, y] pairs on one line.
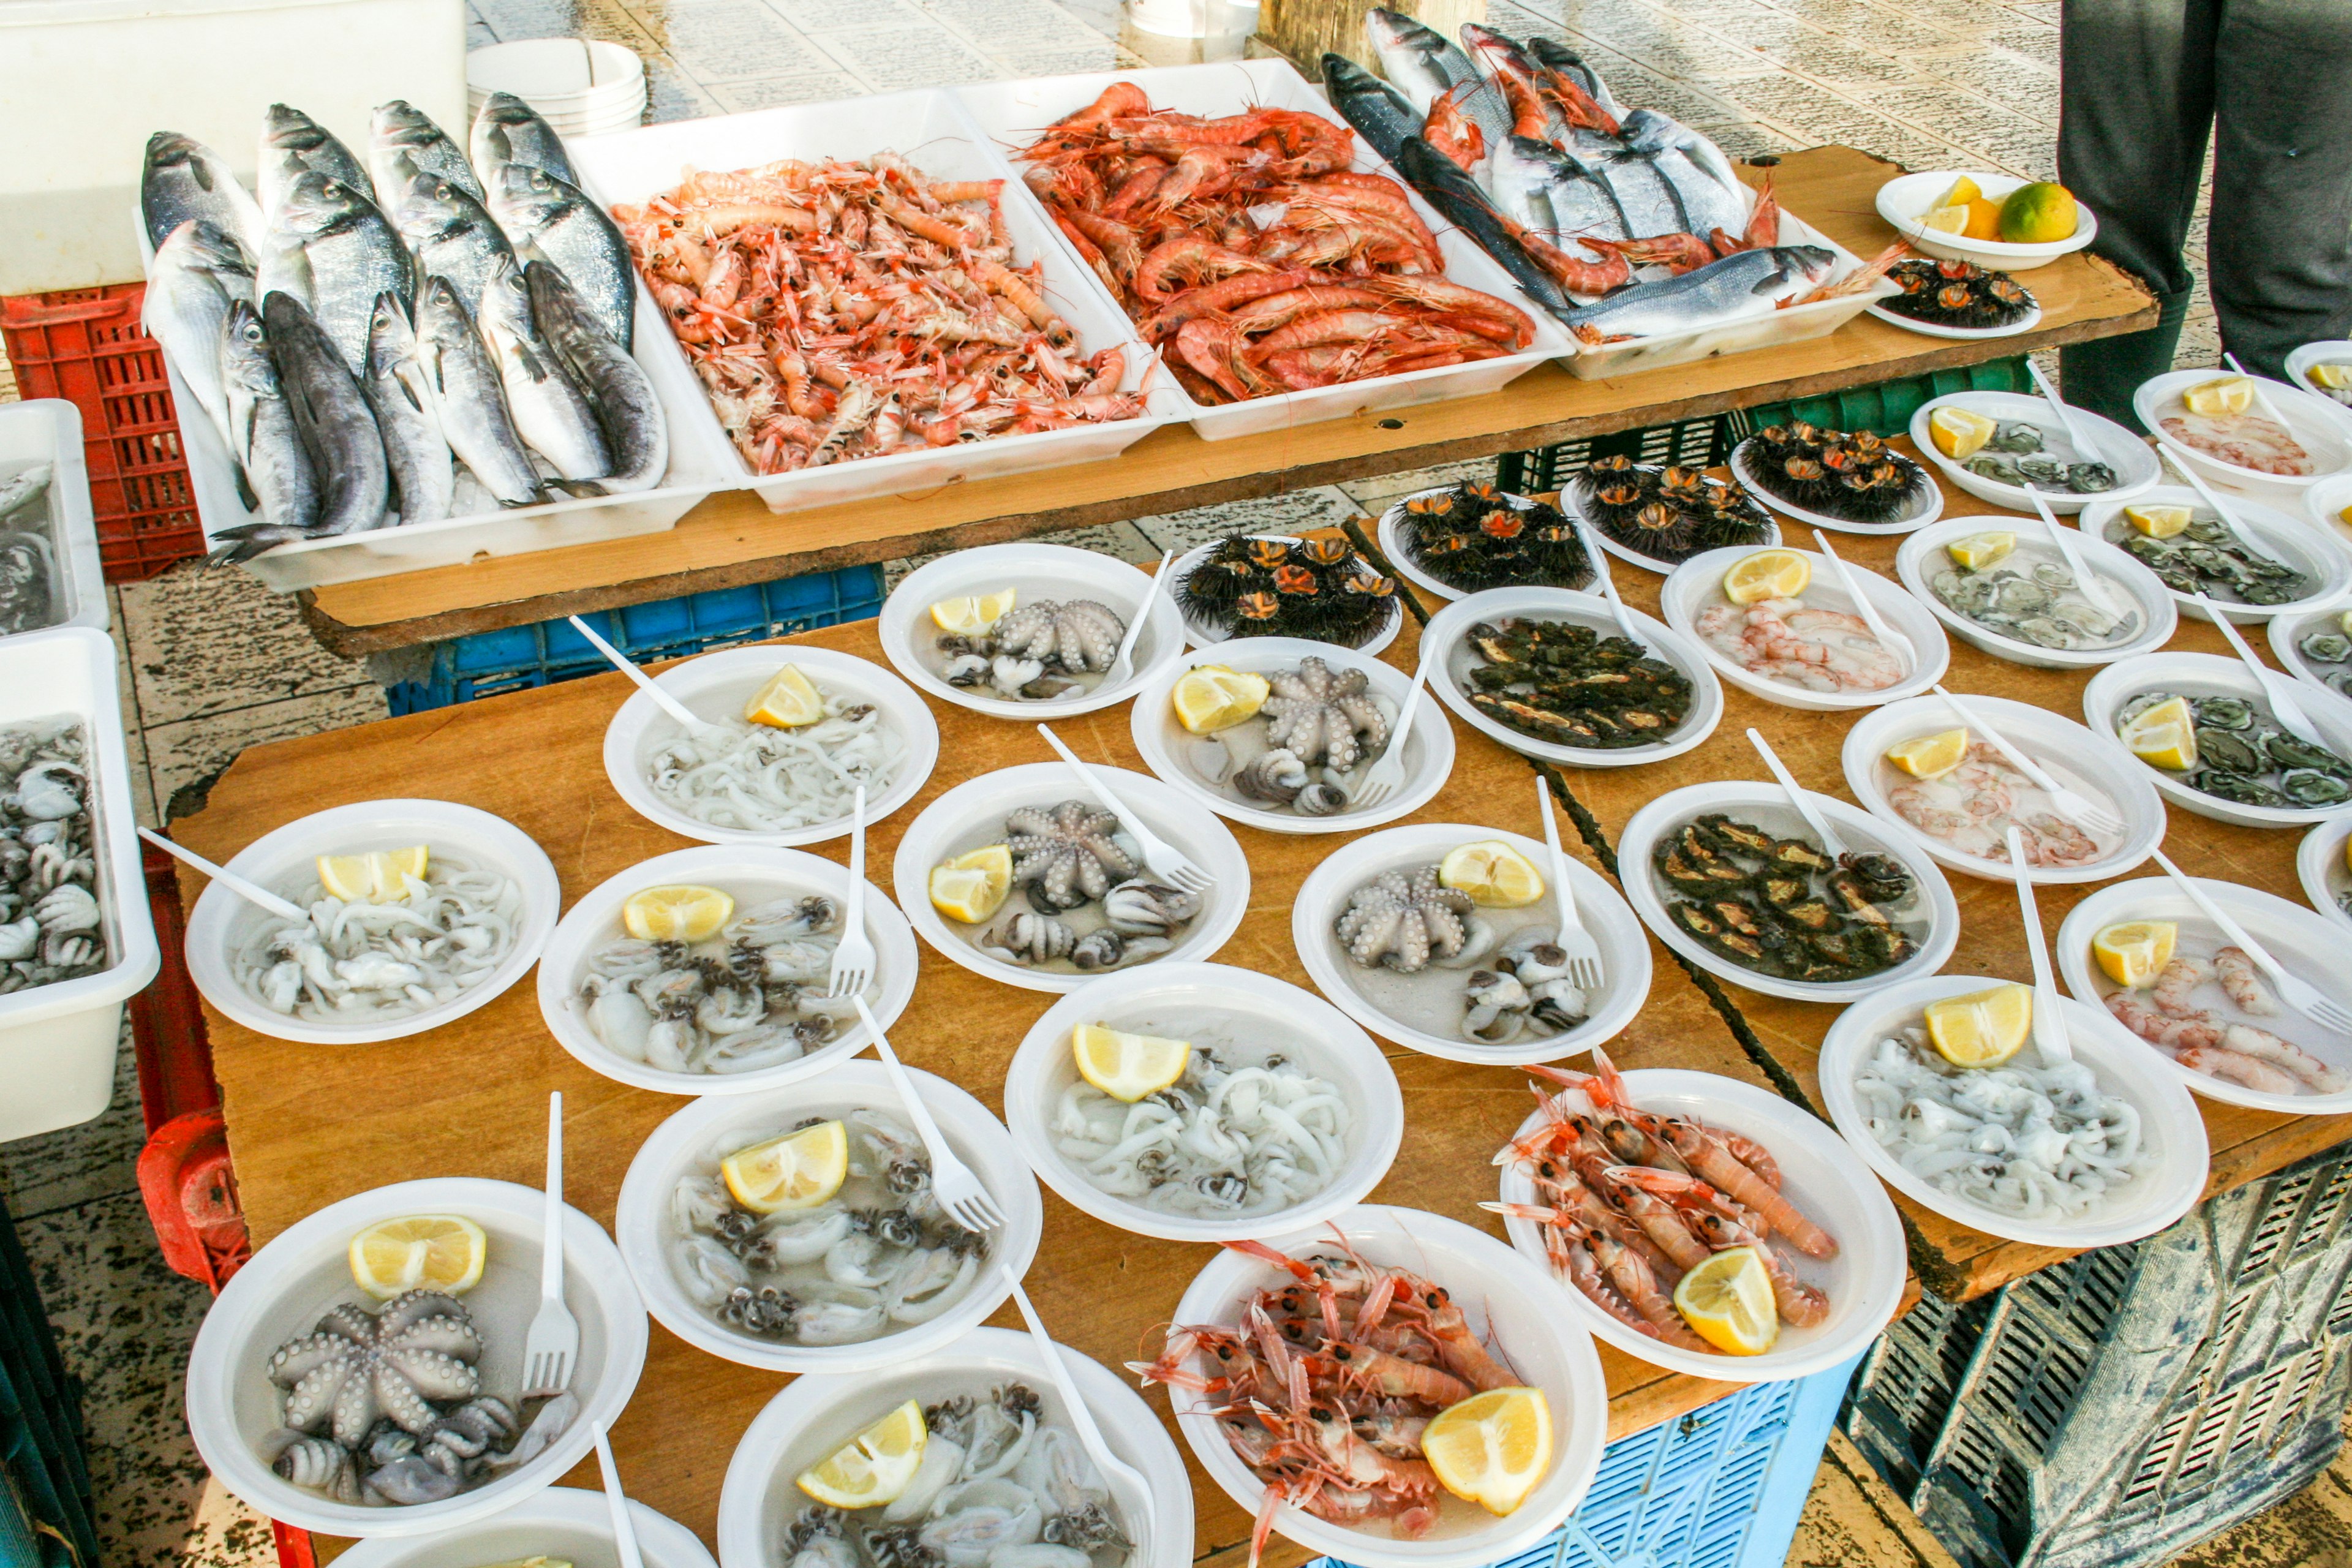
[[1321, 715], [1066, 855], [1405, 922], [358, 1366]]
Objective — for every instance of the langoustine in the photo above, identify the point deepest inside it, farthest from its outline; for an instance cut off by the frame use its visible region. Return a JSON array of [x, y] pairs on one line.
[[2205, 1041]]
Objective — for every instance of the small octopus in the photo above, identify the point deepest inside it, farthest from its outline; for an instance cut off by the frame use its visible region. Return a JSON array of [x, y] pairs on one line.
[[358, 1366], [1404, 922], [1066, 855], [1322, 715]]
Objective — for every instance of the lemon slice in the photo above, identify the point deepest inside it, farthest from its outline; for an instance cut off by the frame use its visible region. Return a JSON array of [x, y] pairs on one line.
[[874, 1467], [1984, 1028], [1727, 1300], [419, 1252], [971, 888], [1979, 550], [2223, 395], [2165, 736], [798, 1171], [1493, 1448], [373, 876], [971, 613], [1945, 220], [1495, 875], [1126, 1066], [2136, 951], [1213, 697], [681, 914], [2333, 374], [2157, 522], [1964, 191], [1767, 574], [790, 699], [1959, 433], [1930, 756]]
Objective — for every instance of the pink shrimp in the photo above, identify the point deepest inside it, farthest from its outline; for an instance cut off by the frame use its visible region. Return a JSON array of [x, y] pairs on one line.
[[1639, 1287], [2196, 1031], [2231, 1067], [2173, 988], [2235, 970], [2261, 1044], [1716, 1164]]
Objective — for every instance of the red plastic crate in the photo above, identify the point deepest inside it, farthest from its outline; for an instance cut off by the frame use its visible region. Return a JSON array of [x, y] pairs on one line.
[[85, 345]]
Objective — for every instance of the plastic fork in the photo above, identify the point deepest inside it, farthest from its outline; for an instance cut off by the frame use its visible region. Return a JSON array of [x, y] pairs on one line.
[[960, 1192], [2072, 805], [645, 683], [1082, 1420], [1584, 968], [1168, 863], [624, 1530], [2049, 1027], [2285, 706], [1890, 639], [854, 957], [2299, 995], [553, 1342], [252, 892], [1799, 797], [1606, 584], [2062, 538], [2254, 382], [2075, 438], [1386, 775], [1124, 665]]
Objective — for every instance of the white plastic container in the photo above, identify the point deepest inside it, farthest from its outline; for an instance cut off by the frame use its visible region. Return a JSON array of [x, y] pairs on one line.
[[2276, 531], [1013, 113], [562, 1522], [2326, 502], [48, 430], [2195, 675], [2327, 350], [57, 1042], [2137, 466], [1922, 556], [1697, 584], [2322, 426], [1904, 200], [2287, 634]]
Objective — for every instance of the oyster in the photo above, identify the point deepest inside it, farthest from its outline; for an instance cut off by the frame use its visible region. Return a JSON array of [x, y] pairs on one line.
[[2206, 559], [2243, 756]]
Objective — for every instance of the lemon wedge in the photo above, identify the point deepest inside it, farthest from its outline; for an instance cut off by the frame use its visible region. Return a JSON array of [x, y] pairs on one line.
[[2223, 395], [2157, 522], [373, 876], [1126, 1066], [1979, 550], [1495, 875], [1984, 1028], [2333, 374], [681, 914], [798, 1171], [1493, 1448], [1727, 1300], [972, 887], [2165, 736], [2135, 952], [419, 1252], [1945, 220], [1767, 574], [1964, 191], [790, 700], [1959, 433], [1213, 697], [1930, 756], [874, 1467], [971, 613]]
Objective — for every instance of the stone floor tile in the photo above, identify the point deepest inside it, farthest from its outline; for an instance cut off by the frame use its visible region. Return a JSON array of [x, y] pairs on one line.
[[2016, 80], [188, 754], [1854, 1519], [1325, 506], [1374, 494], [74, 1165], [204, 641], [228, 1533], [1749, 139]]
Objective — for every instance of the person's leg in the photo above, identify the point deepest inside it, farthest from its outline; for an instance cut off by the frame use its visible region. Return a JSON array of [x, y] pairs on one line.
[[2135, 99], [2281, 248]]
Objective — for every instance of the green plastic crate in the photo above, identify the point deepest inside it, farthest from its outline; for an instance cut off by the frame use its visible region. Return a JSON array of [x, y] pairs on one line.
[[1887, 409]]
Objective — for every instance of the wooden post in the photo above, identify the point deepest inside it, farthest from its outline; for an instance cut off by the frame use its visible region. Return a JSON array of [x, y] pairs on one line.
[[1305, 29]]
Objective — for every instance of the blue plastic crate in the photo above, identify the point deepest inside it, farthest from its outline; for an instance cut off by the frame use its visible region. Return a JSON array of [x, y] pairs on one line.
[[488, 663], [1721, 1487]]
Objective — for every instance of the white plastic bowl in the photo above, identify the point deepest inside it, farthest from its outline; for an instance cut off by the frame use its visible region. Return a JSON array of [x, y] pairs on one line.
[[562, 73], [1862, 833], [1447, 652], [2055, 742], [698, 1136], [1926, 509], [1164, 740], [1624, 952], [2326, 502], [752, 876], [1509, 1302], [1199, 635], [1394, 544], [2309, 946], [562, 1522], [2135, 465], [1819, 1174], [1037, 572], [2327, 350], [2206, 675], [1905, 199], [1265, 1016], [2321, 425], [1697, 583], [2018, 328], [1632, 557], [2319, 863], [1922, 556], [972, 815], [717, 685], [291, 1282], [2278, 535], [281, 860], [2171, 1131], [2287, 635], [814, 1415]]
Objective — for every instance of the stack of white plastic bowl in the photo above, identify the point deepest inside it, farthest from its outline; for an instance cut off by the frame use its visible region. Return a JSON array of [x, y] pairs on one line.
[[581, 87]]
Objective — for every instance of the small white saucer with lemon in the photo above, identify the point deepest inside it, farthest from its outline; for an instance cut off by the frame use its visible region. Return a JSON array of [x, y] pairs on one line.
[[2194, 675], [2135, 464], [1918, 206], [2324, 367]]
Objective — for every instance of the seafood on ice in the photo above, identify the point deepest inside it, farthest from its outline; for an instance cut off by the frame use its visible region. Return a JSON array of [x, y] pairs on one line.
[[2208, 558], [1248, 249], [2249, 440], [1783, 907], [1668, 514], [1564, 682], [367, 960], [2030, 594], [751, 776], [29, 568], [2221, 1041], [1956, 294], [1971, 807], [1035, 652], [1268, 587], [1854, 477], [1305, 748], [1471, 536], [1425, 954], [877, 1256], [52, 914], [839, 309], [1811, 647], [2238, 751], [1091, 903]]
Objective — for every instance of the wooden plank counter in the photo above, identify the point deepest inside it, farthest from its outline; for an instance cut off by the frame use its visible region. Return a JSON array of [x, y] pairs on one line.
[[733, 539]]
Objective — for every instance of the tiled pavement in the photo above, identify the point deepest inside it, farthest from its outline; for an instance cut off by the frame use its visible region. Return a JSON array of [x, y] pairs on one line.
[[212, 663]]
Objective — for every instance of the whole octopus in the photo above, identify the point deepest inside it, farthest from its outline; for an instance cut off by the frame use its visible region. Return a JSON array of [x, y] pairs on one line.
[[1037, 651], [1319, 722], [1073, 855], [1406, 920], [52, 922]]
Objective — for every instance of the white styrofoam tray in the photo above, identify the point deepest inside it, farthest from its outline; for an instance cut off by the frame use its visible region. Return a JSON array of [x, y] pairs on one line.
[[1013, 113], [932, 129]]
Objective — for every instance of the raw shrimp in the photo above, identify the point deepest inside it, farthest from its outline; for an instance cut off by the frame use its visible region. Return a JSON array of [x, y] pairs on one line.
[[2255, 441], [1972, 808], [2236, 971], [2204, 1041], [1802, 645]]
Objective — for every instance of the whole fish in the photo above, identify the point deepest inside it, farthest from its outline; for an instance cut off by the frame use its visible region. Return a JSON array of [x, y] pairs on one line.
[[198, 272], [1460, 202], [337, 431], [1495, 56], [1424, 63], [508, 130], [1553, 55], [293, 145], [403, 143], [23, 488], [1645, 130], [465, 394], [1649, 201], [635, 430], [263, 440], [550, 410], [423, 475], [1381, 114], [1705, 203], [183, 179], [1552, 191], [353, 255], [548, 218], [454, 237], [1738, 285]]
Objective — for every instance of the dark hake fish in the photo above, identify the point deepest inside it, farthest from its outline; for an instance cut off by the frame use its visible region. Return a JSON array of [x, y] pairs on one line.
[[1720, 291], [423, 475], [549, 411], [550, 218], [1381, 114], [1461, 203], [262, 438], [508, 130], [182, 179], [351, 253], [403, 143], [292, 143], [337, 431], [466, 395], [454, 237], [619, 392], [198, 272]]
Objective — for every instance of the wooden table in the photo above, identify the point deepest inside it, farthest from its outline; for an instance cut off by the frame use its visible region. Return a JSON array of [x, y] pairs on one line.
[[733, 539]]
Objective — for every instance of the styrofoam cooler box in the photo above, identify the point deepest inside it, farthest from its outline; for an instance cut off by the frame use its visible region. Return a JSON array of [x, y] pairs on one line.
[[932, 131], [48, 430], [57, 1042], [1014, 113]]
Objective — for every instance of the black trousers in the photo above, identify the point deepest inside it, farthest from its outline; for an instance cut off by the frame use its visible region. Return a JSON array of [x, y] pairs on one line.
[[2144, 82]]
